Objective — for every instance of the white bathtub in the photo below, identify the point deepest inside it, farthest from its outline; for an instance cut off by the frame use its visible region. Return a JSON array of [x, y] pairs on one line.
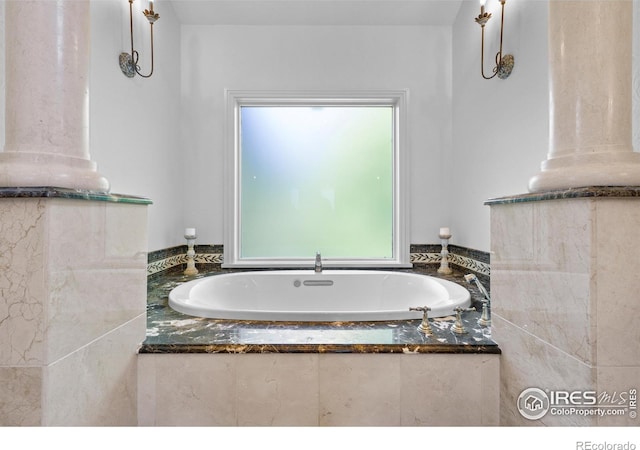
[[303, 295]]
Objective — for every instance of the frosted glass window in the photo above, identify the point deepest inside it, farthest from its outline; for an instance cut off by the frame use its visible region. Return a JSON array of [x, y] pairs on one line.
[[316, 178], [309, 171]]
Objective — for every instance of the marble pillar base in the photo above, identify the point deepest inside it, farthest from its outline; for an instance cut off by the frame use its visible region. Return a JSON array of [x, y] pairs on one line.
[[46, 169], [591, 169], [72, 309], [564, 287]]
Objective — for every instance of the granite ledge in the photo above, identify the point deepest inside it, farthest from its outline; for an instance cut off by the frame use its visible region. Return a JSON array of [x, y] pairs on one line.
[[319, 348], [72, 194], [169, 331], [571, 193]]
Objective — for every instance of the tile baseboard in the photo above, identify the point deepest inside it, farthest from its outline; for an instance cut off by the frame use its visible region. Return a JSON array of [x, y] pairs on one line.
[[175, 258]]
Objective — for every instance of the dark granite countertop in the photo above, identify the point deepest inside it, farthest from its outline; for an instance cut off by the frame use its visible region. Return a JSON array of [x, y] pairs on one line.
[[72, 194], [171, 332], [582, 192]]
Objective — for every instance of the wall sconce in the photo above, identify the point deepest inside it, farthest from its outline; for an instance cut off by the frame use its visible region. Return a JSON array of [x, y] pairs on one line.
[[129, 62], [504, 64]]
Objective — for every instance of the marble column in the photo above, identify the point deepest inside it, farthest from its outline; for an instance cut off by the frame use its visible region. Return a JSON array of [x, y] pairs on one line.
[[590, 97], [47, 96]]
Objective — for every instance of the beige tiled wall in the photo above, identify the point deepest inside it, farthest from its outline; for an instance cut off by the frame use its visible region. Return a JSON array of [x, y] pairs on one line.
[[318, 389], [566, 299], [72, 310]]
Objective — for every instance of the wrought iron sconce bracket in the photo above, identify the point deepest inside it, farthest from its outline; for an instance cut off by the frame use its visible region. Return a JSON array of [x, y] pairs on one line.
[[129, 61], [504, 63]]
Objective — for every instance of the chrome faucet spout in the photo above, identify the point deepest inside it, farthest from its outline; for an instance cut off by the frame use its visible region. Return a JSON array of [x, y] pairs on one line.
[[485, 319], [318, 264], [471, 278]]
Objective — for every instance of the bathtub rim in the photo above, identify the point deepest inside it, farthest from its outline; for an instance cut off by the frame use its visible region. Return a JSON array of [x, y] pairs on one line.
[[322, 317]]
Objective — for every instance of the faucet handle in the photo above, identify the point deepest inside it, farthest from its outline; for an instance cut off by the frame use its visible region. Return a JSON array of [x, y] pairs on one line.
[[458, 327], [485, 318], [424, 326]]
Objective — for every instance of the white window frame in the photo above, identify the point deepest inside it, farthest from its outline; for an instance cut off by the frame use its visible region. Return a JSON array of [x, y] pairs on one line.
[[236, 99]]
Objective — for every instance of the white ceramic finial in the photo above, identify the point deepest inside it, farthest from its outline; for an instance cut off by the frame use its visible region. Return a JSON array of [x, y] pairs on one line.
[[445, 235], [190, 236]]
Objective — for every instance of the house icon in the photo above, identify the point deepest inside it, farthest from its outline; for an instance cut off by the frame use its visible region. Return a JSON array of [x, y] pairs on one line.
[[533, 403]]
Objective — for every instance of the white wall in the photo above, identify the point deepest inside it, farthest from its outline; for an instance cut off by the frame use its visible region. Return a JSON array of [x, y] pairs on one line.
[[315, 58], [135, 122], [500, 127]]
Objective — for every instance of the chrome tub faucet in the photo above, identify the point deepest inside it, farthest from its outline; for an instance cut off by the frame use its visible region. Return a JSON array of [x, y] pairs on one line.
[[318, 264], [485, 318]]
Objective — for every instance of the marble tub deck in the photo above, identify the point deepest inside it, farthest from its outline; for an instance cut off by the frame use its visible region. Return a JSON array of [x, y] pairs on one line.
[[169, 331]]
